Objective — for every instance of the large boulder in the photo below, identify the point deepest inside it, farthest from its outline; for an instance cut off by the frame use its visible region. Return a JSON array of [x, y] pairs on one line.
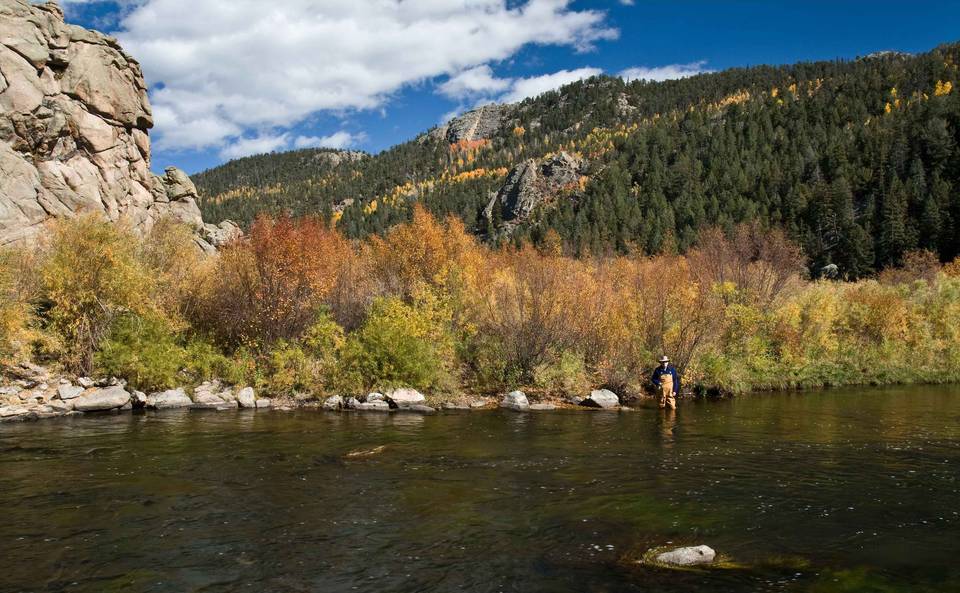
[[74, 121], [334, 402], [689, 556], [172, 398], [68, 391], [99, 399], [516, 401], [247, 398], [405, 397], [601, 398]]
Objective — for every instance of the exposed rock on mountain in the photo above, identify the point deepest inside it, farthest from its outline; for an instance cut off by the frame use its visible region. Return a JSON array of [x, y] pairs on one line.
[[530, 184], [74, 117], [335, 157], [479, 124]]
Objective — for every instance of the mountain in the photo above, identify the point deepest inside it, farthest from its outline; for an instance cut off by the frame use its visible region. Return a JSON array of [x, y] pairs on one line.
[[74, 121], [858, 160]]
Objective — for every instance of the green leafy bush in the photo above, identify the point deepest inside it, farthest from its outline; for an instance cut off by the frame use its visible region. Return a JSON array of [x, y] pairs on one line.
[[144, 351], [398, 345]]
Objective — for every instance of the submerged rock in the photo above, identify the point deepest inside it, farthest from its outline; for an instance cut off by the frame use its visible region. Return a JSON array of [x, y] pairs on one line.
[[515, 400], [420, 409], [601, 398], [542, 407], [454, 406], [374, 406], [689, 556]]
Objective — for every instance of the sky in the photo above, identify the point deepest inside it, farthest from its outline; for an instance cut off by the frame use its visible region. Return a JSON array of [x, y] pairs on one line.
[[230, 78]]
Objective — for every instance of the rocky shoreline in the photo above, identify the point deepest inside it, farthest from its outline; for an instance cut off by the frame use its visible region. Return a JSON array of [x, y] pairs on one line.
[[31, 392]]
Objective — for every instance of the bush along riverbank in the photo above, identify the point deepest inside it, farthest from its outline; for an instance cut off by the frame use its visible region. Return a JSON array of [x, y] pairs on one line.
[[299, 313]]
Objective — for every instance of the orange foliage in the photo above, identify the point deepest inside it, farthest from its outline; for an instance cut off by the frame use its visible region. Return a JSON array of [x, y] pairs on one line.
[[270, 285]]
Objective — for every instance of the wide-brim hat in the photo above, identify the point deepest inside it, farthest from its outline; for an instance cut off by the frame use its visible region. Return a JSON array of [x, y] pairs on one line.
[[664, 359]]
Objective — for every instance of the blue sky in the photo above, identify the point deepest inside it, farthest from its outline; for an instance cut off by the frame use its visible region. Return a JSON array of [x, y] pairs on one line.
[[234, 77]]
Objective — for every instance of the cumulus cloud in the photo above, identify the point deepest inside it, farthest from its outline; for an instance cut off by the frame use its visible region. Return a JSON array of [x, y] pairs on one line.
[[522, 88], [478, 81], [669, 72], [221, 70], [478, 86], [271, 142]]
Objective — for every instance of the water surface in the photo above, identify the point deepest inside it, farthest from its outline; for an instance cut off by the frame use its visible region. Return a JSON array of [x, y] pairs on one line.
[[853, 490]]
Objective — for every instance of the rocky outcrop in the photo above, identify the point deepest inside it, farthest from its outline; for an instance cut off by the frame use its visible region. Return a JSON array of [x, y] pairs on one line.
[[530, 184], [74, 118], [480, 124], [335, 158]]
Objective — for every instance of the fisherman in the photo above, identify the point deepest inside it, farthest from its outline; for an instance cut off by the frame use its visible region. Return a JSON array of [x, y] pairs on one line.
[[667, 381]]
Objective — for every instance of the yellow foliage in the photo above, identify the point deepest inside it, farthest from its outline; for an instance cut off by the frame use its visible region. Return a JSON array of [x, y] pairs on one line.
[[942, 88]]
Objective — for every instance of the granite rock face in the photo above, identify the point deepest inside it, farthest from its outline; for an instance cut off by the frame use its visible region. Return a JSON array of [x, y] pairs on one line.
[[532, 183], [74, 121], [479, 124]]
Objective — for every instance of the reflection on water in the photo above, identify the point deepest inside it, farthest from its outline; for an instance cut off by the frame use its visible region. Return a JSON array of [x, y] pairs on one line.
[[833, 491]]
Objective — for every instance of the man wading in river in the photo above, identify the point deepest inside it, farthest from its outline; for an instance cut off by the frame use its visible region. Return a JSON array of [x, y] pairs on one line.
[[667, 381]]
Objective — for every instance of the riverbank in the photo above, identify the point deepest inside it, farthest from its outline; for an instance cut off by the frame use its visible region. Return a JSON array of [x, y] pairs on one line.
[[32, 392]]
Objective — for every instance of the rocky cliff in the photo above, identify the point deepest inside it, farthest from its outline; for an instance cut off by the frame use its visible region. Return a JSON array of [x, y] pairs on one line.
[[74, 117], [532, 184], [479, 124]]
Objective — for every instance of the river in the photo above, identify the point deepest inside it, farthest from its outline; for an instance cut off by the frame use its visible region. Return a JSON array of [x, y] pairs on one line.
[[833, 491]]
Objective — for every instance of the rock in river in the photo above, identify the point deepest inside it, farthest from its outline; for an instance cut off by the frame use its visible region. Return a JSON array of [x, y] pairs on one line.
[[247, 398], [173, 398], [334, 402], [601, 398], [405, 397], [690, 556], [515, 400], [374, 406], [101, 399]]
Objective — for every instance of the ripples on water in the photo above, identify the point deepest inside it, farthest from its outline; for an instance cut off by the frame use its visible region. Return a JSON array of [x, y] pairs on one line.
[[833, 491]]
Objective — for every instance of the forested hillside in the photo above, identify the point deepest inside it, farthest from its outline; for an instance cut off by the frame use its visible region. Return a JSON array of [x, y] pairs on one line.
[[857, 160]]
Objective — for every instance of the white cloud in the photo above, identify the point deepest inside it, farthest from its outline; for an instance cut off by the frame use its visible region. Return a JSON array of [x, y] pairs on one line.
[[669, 72], [523, 88], [473, 82], [479, 86], [271, 142], [339, 140], [232, 68], [260, 144]]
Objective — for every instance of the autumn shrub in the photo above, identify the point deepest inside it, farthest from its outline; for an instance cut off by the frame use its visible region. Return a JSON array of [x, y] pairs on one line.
[[90, 275], [16, 311], [565, 374], [400, 344], [920, 264], [270, 285], [309, 365]]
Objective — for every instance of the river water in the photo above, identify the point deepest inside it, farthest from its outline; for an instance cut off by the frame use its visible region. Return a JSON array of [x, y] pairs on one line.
[[835, 491]]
